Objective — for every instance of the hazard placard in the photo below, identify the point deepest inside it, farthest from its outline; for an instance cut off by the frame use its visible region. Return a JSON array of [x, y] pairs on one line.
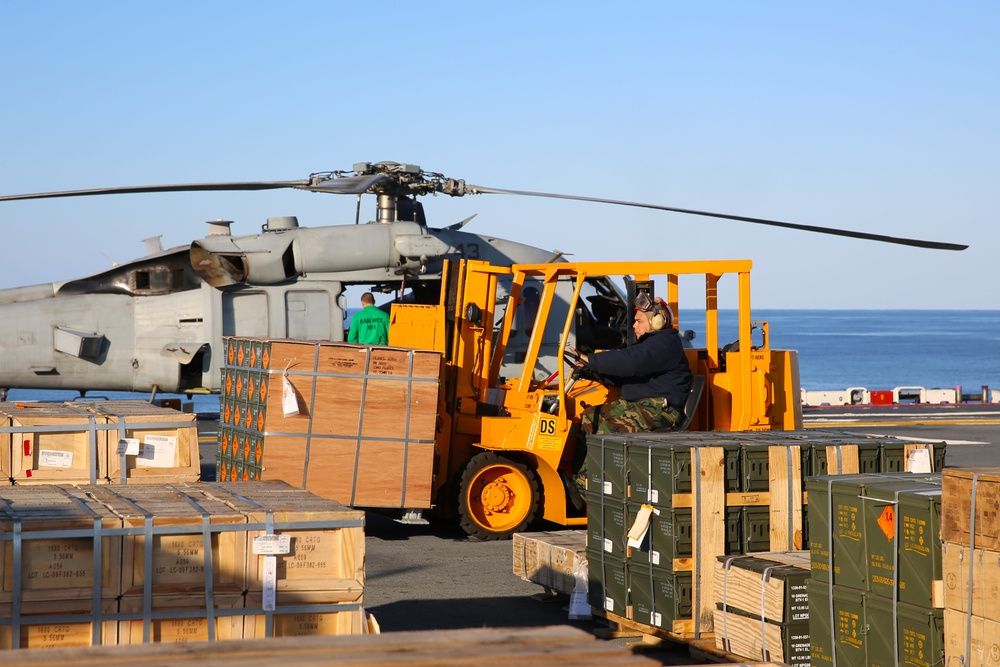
[[887, 522]]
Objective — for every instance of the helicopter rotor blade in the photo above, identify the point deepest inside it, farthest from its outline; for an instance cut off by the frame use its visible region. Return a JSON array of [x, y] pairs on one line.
[[933, 245], [146, 189], [336, 185]]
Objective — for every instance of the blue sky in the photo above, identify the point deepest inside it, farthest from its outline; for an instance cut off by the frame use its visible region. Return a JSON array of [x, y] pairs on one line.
[[879, 117]]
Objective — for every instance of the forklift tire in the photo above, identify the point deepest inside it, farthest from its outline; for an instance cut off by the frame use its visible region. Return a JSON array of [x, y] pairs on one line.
[[497, 497]]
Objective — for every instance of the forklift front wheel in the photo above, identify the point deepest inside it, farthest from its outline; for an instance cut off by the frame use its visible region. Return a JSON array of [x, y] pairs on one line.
[[497, 497]]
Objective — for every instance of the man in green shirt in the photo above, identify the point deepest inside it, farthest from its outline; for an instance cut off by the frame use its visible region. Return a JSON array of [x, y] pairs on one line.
[[371, 325]]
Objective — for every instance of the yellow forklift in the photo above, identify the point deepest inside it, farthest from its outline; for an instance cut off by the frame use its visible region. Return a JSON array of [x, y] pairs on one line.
[[506, 447]]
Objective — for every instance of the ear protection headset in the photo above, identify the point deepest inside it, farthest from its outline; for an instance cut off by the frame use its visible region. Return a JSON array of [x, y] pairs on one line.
[[659, 316], [655, 311]]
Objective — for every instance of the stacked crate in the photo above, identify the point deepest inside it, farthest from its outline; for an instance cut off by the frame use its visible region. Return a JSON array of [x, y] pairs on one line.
[[97, 442], [551, 558], [762, 608], [166, 440], [360, 429], [176, 562], [60, 564], [970, 530], [875, 551], [707, 494]]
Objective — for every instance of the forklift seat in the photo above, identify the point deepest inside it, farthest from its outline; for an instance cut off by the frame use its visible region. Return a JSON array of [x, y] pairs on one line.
[[690, 405]]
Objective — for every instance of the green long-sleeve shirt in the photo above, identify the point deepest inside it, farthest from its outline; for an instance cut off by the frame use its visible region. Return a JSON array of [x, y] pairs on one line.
[[369, 327]]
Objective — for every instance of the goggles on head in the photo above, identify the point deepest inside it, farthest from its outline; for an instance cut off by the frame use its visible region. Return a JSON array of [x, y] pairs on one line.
[[643, 302]]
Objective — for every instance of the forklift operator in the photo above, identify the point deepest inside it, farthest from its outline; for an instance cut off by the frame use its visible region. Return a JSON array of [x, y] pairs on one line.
[[653, 374]]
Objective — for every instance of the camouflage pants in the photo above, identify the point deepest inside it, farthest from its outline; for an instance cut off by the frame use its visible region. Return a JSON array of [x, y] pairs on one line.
[[621, 416]]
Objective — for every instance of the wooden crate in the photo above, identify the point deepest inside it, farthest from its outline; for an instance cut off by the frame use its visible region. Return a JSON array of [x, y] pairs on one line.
[[53, 623], [962, 567], [303, 614], [183, 520], [555, 646], [62, 565], [981, 635], [550, 558], [190, 622], [365, 430], [743, 635], [327, 541], [168, 442], [960, 487], [58, 443], [767, 585]]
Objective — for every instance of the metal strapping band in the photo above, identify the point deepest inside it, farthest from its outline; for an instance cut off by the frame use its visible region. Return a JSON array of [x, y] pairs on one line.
[[312, 412], [16, 594], [791, 496], [208, 569], [361, 419], [696, 477], [96, 609], [147, 580], [406, 431], [972, 551], [829, 559], [766, 576], [268, 615]]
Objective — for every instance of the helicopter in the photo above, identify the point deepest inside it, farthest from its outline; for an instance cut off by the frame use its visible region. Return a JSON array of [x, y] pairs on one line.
[[155, 324]]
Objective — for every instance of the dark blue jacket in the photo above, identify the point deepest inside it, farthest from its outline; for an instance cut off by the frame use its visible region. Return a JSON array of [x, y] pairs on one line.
[[653, 366]]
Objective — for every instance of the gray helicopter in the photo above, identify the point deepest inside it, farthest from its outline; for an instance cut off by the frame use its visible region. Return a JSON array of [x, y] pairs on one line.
[[156, 324]]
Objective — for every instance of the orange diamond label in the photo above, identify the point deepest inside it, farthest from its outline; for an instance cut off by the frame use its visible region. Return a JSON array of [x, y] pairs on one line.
[[887, 521], [231, 351], [260, 421], [240, 355], [229, 383], [265, 357], [250, 389], [253, 356], [260, 453], [263, 391]]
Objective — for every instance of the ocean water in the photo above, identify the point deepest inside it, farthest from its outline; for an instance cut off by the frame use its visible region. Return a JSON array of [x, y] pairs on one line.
[[879, 349], [837, 349]]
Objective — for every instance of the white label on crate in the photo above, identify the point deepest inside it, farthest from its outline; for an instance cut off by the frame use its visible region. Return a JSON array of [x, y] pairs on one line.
[[609, 604], [654, 557], [157, 452], [269, 583], [50, 458], [919, 461], [609, 546], [128, 446], [656, 619], [608, 488], [272, 545], [654, 495]]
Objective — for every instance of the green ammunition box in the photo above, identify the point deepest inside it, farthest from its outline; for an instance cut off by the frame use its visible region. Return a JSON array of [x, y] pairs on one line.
[[670, 535], [660, 596], [660, 468], [755, 529], [903, 541], [869, 456], [607, 526], [607, 466], [894, 455], [837, 524], [837, 625], [607, 583], [903, 634]]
